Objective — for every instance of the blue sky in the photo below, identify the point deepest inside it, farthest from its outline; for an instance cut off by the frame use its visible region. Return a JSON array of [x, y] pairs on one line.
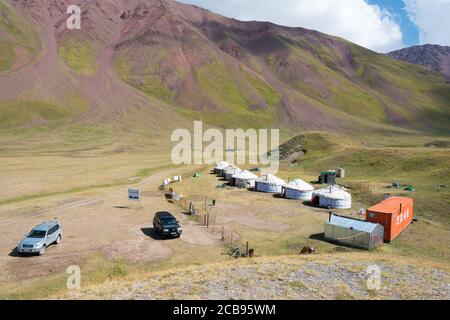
[[380, 25], [397, 7]]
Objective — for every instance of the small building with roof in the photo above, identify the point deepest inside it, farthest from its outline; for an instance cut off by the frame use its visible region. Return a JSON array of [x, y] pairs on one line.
[[243, 179], [222, 165], [328, 177], [229, 172], [297, 190], [333, 197], [353, 232], [269, 183]]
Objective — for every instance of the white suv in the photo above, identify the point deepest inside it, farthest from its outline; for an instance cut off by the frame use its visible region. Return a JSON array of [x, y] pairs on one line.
[[41, 237]]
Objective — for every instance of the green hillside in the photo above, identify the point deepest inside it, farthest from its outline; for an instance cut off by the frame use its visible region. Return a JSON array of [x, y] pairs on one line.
[[16, 38]]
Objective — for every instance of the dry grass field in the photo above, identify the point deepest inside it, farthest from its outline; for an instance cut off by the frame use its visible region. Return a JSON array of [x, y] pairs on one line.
[[116, 247]]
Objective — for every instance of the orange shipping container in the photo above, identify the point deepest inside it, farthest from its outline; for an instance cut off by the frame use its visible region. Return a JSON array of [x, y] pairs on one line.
[[394, 214]]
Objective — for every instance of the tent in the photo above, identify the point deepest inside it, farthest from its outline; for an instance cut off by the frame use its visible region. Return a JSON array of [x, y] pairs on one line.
[[218, 169], [332, 197], [269, 183], [353, 232], [230, 171], [298, 190], [243, 179]]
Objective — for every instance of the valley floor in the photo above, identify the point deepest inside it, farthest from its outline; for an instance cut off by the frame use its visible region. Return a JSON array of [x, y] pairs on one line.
[[120, 256]]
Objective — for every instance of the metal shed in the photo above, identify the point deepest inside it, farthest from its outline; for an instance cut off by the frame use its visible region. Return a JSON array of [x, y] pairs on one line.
[[328, 177], [354, 233]]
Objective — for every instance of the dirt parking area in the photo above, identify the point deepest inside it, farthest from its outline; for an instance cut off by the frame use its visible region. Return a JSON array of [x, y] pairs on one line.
[[99, 224]]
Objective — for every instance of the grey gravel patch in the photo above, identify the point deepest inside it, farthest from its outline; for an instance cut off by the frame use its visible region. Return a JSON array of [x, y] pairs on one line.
[[293, 279]]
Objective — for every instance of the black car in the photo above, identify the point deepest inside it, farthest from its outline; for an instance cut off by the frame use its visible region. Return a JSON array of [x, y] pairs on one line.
[[165, 224]]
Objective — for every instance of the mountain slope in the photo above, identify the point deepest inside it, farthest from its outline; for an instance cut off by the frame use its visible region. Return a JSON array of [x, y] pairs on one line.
[[175, 61], [18, 41], [435, 57]]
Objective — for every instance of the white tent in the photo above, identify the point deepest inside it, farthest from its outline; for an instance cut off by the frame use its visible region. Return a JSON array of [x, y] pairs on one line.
[[230, 171], [298, 190], [269, 183], [218, 169], [332, 197], [244, 179]]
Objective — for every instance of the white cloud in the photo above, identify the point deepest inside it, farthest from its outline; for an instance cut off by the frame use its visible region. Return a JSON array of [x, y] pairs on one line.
[[432, 17], [354, 20]]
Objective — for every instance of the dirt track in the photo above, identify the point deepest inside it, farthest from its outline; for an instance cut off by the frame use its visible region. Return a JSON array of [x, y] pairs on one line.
[[94, 225]]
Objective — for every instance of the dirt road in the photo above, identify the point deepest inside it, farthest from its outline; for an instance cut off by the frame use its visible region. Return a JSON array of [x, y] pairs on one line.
[[98, 225]]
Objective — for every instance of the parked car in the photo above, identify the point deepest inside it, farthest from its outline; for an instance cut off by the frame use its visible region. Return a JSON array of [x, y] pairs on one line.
[[41, 237], [165, 224]]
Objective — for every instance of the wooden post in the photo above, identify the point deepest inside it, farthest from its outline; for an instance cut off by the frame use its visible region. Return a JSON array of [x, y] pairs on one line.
[[207, 219], [214, 224], [246, 249], [223, 233]]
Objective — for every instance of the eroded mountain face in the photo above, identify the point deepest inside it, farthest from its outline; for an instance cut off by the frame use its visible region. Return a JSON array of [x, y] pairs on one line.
[[183, 62]]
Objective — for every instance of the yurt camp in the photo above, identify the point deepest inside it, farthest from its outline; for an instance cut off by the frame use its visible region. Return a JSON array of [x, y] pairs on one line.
[[353, 232], [218, 169], [230, 171], [297, 190], [269, 183], [332, 197], [243, 179]]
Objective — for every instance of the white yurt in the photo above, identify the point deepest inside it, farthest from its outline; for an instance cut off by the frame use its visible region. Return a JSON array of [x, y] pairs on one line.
[[269, 183], [244, 179], [332, 197], [230, 171], [218, 169], [298, 190]]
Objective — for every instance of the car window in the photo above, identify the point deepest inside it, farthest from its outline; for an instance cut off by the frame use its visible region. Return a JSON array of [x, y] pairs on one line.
[[169, 221], [36, 234], [52, 230]]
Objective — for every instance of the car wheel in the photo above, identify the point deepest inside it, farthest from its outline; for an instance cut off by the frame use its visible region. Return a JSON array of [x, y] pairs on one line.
[[179, 235], [43, 250], [58, 240]]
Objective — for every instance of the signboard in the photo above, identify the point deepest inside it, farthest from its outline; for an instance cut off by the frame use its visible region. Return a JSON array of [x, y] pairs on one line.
[[134, 194]]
